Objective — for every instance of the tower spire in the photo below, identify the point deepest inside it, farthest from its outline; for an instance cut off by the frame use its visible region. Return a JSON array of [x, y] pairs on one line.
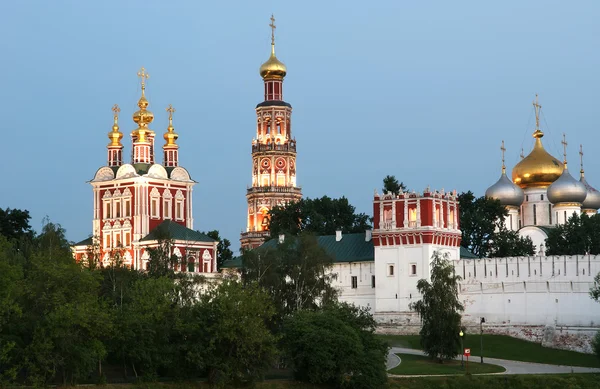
[[115, 147], [581, 159], [142, 137], [522, 153], [537, 133], [564, 143], [171, 157], [143, 75], [273, 27], [503, 151]]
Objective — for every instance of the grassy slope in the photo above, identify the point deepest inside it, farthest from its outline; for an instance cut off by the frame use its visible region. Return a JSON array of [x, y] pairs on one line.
[[416, 364], [505, 347]]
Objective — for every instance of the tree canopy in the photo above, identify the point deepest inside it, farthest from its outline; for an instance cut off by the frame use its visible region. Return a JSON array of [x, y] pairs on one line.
[[483, 229], [579, 235], [321, 216], [391, 185], [440, 309], [224, 252], [14, 223]]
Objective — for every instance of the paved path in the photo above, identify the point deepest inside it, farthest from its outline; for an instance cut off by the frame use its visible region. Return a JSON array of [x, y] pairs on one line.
[[512, 367]]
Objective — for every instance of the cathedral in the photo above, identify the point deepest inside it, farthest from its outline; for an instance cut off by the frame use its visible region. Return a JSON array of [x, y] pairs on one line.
[[542, 193], [137, 205]]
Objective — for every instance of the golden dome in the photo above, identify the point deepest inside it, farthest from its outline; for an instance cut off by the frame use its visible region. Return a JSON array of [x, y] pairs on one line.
[[115, 135], [143, 117], [539, 168], [273, 68], [170, 136]]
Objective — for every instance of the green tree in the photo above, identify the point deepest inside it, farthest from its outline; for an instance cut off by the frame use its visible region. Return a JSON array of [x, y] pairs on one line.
[[295, 273], [579, 235], [14, 224], [479, 219], [162, 261], [335, 346], [224, 252], [321, 216], [507, 243], [439, 309], [391, 185]]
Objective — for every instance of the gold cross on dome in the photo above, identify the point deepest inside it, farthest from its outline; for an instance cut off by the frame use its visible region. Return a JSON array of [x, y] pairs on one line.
[[273, 27], [538, 108], [144, 76], [170, 110], [116, 110], [564, 143]]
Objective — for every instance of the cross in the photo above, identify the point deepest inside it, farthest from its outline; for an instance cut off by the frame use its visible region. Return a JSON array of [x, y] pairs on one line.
[[170, 110], [564, 143], [581, 156], [273, 27], [503, 151], [522, 155], [537, 107], [116, 110], [143, 74]]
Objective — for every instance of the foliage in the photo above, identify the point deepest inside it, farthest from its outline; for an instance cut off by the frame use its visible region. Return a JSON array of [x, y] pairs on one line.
[[439, 310], [321, 216], [596, 344], [483, 230], [162, 263], [335, 346], [391, 185], [294, 273], [224, 252], [579, 235], [14, 224]]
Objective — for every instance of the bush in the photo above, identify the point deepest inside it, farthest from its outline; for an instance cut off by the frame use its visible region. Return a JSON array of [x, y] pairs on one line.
[[335, 346]]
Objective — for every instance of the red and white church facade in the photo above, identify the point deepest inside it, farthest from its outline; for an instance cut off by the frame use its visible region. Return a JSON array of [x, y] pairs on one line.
[[136, 205]]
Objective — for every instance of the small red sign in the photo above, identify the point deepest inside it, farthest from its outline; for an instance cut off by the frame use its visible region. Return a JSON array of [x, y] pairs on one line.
[[467, 352]]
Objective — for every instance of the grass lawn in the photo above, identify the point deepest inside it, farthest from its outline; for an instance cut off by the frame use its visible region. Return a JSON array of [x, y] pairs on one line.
[[546, 381], [417, 364], [506, 347]]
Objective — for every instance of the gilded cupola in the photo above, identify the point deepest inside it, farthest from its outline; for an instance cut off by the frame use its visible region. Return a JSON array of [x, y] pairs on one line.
[[115, 135], [539, 169], [170, 136], [273, 68], [592, 200], [566, 189], [143, 117], [504, 190]]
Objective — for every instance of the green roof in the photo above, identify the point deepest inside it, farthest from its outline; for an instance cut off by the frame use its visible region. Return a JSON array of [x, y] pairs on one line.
[[172, 230], [85, 242], [233, 263], [466, 254]]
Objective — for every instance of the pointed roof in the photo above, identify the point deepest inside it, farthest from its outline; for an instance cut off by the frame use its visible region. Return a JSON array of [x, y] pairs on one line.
[[173, 230]]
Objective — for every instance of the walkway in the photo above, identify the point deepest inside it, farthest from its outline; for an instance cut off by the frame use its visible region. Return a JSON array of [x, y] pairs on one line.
[[512, 367]]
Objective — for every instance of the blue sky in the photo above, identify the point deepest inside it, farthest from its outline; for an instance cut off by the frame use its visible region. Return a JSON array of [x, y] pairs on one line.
[[422, 90]]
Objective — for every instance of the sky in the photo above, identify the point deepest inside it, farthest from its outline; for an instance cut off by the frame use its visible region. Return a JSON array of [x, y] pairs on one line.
[[425, 91]]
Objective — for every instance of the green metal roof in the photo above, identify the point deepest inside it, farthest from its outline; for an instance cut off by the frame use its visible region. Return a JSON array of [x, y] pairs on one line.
[[233, 263], [172, 230], [85, 242], [466, 254]]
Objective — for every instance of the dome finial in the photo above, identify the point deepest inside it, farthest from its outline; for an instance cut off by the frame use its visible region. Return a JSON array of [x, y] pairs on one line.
[[115, 135], [503, 151], [273, 27], [522, 153], [537, 133], [143, 75], [581, 159], [564, 143], [273, 68], [170, 136]]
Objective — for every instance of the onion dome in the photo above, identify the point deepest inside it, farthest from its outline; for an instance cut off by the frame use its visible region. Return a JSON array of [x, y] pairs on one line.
[[170, 136], [539, 169], [504, 189], [143, 117], [115, 135], [566, 189], [273, 68], [592, 200]]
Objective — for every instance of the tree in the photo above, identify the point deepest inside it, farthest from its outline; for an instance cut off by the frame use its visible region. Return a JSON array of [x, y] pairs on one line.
[[391, 185], [295, 273], [14, 223], [224, 253], [439, 309], [579, 235], [162, 262], [321, 216], [335, 346], [507, 243]]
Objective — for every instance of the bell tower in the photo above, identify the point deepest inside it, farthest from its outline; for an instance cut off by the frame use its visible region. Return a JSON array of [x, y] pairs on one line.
[[273, 153]]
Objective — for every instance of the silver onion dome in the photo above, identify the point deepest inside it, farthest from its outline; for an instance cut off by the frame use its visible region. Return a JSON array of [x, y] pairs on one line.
[[566, 189], [592, 200], [506, 192]]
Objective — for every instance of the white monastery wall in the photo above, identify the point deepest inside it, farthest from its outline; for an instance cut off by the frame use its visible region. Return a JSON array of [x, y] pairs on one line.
[[362, 291]]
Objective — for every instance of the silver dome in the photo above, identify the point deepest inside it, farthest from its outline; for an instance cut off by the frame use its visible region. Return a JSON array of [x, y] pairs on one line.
[[592, 200], [506, 192], [566, 189]]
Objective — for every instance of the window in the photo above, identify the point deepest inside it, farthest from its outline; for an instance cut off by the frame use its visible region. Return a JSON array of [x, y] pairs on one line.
[[413, 269], [390, 270], [127, 209], [354, 282], [526, 197], [117, 239], [372, 281], [549, 213], [107, 241], [167, 209], [542, 196], [127, 238], [534, 216], [154, 207], [191, 265], [565, 217], [179, 210], [117, 208], [107, 210]]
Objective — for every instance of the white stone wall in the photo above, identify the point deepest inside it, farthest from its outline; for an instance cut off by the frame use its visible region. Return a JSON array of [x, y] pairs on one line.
[[364, 293]]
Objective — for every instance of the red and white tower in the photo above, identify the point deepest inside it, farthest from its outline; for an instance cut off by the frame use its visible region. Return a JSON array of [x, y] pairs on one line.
[[139, 203], [273, 153]]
